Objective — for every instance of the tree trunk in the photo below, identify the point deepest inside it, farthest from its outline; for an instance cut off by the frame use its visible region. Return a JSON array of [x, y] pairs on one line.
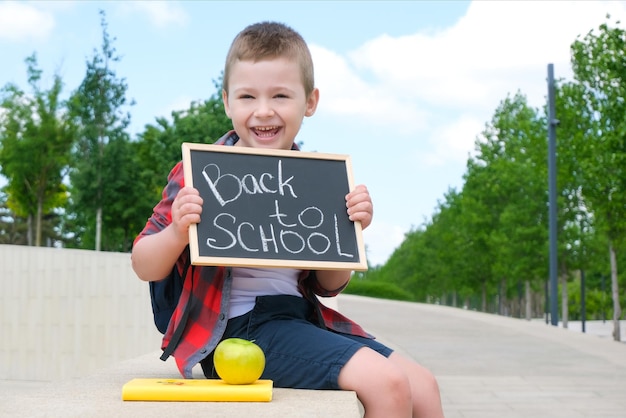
[[38, 223], [539, 300], [29, 230], [101, 145], [502, 300], [98, 228], [617, 310], [528, 301], [484, 298], [564, 303]]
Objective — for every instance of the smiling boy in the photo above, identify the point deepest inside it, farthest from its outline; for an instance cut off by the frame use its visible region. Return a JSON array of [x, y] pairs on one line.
[[268, 90]]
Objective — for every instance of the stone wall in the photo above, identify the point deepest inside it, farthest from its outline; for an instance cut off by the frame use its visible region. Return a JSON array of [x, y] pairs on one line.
[[66, 313]]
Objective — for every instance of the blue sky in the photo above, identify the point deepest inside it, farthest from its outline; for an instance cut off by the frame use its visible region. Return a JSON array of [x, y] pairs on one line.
[[405, 86]]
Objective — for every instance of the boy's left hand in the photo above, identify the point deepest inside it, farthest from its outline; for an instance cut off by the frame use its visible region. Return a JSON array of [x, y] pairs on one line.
[[360, 207]]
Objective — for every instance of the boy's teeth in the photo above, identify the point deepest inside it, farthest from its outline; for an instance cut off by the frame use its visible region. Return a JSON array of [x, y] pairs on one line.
[[266, 130]]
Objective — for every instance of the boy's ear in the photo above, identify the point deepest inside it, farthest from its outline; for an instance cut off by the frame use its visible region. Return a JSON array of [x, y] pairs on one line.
[[312, 101], [226, 106]]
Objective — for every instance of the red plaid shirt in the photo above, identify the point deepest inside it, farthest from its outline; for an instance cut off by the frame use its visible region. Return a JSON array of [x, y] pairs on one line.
[[207, 290]]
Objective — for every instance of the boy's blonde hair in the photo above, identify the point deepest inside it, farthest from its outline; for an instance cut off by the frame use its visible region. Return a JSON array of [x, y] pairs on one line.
[[268, 40]]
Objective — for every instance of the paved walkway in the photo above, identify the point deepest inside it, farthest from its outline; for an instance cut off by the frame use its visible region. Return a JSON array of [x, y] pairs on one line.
[[492, 366]]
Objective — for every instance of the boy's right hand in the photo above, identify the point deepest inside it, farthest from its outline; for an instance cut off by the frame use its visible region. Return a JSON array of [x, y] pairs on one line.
[[186, 209]]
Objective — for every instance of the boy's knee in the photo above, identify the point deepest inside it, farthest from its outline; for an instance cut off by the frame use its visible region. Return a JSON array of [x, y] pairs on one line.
[[396, 384]]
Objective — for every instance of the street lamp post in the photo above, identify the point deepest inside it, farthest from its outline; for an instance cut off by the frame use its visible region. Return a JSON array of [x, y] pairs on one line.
[[552, 124]]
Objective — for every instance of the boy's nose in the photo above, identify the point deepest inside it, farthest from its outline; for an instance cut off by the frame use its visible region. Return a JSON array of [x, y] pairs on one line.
[[264, 109]]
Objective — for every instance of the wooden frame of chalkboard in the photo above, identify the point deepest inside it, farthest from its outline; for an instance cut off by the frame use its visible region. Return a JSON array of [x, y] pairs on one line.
[[272, 208]]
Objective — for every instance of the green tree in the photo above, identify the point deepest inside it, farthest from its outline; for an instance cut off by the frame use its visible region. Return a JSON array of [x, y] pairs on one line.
[[599, 65], [519, 240], [504, 197], [578, 236], [121, 194], [35, 141], [490, 238], [98, 107]]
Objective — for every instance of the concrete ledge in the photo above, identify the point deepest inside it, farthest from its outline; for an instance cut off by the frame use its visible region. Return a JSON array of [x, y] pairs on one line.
[[100, 395]]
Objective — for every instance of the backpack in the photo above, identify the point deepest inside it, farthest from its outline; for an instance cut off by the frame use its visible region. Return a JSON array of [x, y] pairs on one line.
[[164, 295]]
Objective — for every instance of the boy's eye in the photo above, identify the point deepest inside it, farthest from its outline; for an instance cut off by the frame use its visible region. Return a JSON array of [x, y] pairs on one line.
[[281, 96], [246, 96]]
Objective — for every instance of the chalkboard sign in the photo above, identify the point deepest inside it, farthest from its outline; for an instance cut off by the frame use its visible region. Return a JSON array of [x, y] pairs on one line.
[[272, 208]]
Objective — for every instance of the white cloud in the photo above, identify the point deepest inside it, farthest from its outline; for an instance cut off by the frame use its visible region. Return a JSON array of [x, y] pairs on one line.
[[345, 92], [446, 84], [159, 13], [497, 47], [22, 21]]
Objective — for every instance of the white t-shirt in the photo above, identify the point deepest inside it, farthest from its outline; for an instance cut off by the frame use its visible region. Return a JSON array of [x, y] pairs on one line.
[[250, 282]]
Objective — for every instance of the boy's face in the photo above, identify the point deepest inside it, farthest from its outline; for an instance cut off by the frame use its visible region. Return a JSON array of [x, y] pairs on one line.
[[266, 102]]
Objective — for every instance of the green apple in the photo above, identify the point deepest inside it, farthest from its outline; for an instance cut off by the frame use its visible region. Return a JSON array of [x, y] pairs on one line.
[[238, 361]]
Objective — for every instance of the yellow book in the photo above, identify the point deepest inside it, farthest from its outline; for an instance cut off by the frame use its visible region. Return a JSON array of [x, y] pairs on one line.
[[198, 390]]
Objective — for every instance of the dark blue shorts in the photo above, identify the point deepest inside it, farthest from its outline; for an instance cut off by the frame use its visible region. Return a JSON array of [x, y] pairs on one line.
[[298, 352]]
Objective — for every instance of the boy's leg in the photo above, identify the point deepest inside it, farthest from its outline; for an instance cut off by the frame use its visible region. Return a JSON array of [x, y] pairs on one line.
[[391, 387], [424, 388], [382, 387]]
